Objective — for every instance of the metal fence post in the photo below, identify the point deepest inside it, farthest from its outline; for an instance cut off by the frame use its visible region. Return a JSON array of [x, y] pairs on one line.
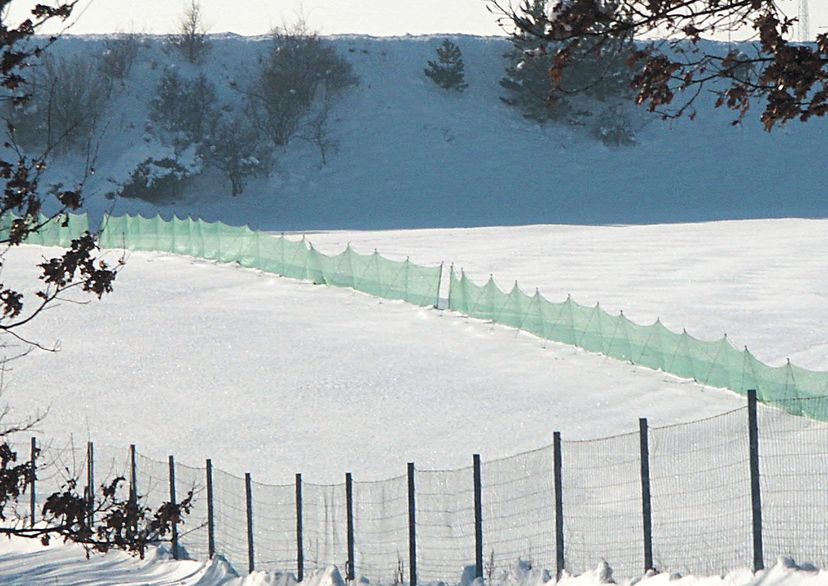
[[412, 528], [133, 485], [478, 518], [90, 481], [133, 477], [211, 527], [300, 546], [173, 503], [349, 500], [755, 489], [32, 481], [559, 529], [248, 488], [646, 501]]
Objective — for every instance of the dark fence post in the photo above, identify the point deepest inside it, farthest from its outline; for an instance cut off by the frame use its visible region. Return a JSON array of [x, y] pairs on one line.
[[478, 518], [248, 489], [559, 529], [173, 503], [646, 501], [300, 546], [90, 481], [133, 484], [33, 473], [133, 477], [349, 500], [755, 489], [211, 527], [412, 528]]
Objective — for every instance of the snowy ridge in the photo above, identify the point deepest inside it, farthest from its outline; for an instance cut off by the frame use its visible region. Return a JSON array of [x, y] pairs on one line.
[[409, 155]]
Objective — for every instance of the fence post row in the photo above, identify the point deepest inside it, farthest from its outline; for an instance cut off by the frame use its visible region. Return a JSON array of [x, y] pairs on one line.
[[211, 527], [560, 560], [646, 501], [173, 503], [559, 529], [33, 473], [755, 489], [412, 528], [300, 547], [248, 488], [478, 518], [349, 501]]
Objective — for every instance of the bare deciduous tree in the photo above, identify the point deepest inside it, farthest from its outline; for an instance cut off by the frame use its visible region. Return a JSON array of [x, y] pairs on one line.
[[123, 524], [672, 71], [192, 40], [298, 64]]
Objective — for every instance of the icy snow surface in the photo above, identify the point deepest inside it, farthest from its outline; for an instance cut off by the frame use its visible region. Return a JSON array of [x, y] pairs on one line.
[[274, 377]]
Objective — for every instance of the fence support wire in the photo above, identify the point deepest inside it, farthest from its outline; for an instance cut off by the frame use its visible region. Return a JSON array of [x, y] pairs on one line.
[[794, 476], [683, 487]]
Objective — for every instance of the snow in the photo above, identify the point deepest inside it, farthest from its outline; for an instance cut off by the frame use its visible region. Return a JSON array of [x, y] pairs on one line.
[[25, 562], [410, 155], [711, 228]]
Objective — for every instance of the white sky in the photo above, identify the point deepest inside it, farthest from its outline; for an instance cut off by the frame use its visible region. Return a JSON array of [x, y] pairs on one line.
[[372, 17]]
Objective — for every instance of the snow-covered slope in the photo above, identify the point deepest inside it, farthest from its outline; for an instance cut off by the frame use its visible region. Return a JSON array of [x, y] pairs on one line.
[[410, 155]]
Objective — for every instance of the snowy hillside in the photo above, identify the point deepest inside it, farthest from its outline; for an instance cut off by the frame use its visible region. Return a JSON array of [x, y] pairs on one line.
[[273, 377], [411, 155]]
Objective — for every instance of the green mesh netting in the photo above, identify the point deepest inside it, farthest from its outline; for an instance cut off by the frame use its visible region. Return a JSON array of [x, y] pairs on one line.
[[372, 274], [712, 363], [58, 231], [717, 363]]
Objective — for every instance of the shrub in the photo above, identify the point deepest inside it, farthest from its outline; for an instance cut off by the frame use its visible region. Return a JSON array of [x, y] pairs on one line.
[[186, 109], [118, 56], [296, 67], [236, 150], [191, 40], [68, 99], [160, 179]]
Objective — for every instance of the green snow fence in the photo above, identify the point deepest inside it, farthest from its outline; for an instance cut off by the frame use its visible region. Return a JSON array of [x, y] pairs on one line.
[[372, 274], [716, 364], [55, 232]]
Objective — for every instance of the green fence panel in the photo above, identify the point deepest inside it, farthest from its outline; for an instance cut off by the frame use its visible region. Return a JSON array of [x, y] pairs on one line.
[[591, 328], [59, 231], [373, 275], [515, 309]]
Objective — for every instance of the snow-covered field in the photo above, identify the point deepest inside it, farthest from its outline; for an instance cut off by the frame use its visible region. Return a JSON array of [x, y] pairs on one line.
[[23, 563], [274, 377]]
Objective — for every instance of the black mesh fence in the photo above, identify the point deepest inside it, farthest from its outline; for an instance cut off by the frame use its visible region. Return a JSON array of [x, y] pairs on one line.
[[701, 517]]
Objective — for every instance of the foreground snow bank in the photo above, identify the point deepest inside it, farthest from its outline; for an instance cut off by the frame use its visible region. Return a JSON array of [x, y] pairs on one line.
[[25, 561]]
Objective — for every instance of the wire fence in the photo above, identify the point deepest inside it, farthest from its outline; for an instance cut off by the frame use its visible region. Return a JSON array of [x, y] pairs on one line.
[[696, 498]]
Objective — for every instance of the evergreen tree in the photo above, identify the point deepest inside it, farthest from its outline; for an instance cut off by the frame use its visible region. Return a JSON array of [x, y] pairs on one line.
[[593, 73], [527, 74], [448, 71]]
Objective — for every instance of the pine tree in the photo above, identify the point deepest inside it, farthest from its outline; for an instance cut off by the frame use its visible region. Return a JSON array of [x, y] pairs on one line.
[[448, 73], [527, 75], [595, 73]]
